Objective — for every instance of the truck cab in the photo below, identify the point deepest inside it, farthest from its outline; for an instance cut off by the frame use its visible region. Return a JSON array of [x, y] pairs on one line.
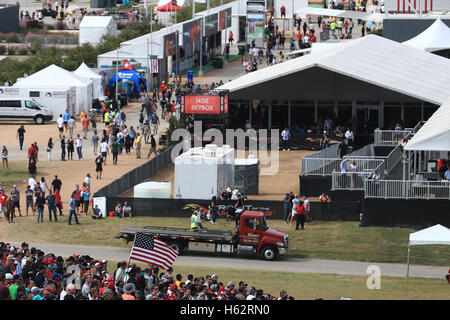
[[254, 235]]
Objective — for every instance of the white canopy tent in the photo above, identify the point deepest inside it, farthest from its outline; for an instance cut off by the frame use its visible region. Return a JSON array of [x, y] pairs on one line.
[[435, 38], [84, 71], [434, 134], [93, 28], [437, 234], [55, 77]]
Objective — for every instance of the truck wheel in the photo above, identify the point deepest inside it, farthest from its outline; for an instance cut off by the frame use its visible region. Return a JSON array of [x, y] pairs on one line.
[[39, 120], [177, 246], [269, 253]]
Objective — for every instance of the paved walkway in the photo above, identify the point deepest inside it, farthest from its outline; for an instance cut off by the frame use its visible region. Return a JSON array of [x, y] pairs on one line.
[[284, 264]]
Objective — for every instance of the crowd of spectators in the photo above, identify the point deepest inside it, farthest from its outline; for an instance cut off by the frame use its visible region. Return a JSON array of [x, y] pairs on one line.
[[31, 274]]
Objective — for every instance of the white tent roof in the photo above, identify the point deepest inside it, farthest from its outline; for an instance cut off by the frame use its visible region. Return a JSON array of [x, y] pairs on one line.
[[84, 71], [372, 59], [53, 76], [434, 134], [436, 37], [332, 13], [96, 21], [437, 234]]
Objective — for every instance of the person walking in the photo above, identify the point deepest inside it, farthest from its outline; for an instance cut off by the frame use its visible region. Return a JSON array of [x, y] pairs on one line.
[[50, 148], [60, 125], [71, 124], [59, 204], [21, 135], [152, 146], [85, 124], [72, 211], [94, 141], [115, 151], [79, 144], [63, 148], [104, 150], [99, 166], [77, 197], [5, 158], [214, 210], [137, 145], [66, 117], [39, 206], [29, 200]]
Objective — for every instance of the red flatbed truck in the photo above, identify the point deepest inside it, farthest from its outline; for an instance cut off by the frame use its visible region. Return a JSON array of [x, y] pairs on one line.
[[252, 236]]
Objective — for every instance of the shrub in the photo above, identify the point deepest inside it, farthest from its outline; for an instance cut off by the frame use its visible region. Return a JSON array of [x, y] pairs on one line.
[[11, 51], [23, 52], [2, 50]]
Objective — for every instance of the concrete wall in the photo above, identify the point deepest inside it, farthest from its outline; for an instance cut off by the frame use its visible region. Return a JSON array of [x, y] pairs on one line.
[[404, 29], [9, 18]]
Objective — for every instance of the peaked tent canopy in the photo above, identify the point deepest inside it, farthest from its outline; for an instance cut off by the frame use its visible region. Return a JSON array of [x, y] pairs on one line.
[[437, 234], [84, 71], [56, 77], [435, 38], [434, 134], [168, 7]]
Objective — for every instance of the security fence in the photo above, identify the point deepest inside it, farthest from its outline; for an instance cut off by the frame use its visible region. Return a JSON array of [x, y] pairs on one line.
[[390, 137], [137, 175], [407, 189]]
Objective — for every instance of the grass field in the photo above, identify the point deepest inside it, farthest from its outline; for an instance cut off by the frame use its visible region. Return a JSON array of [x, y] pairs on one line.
[[326, 286], [17, 173], [326, 240]]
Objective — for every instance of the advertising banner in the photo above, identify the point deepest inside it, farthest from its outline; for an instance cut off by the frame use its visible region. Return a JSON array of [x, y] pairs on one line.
[[254, 28], [202, 104], [211, 24], [224, 19], [170, 44], [191, 34], [316, 3]]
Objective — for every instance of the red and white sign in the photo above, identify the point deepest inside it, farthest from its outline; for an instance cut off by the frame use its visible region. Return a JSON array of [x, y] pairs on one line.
[[202, 104]]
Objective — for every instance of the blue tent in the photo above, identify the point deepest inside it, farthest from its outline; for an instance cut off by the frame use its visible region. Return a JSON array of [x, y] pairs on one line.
[[131, 75]]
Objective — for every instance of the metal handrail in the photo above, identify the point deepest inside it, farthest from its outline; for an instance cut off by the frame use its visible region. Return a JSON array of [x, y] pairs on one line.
[[407, 189]]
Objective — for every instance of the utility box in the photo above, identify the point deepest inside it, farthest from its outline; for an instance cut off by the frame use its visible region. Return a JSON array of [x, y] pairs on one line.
[[201, 173], [246, 176]]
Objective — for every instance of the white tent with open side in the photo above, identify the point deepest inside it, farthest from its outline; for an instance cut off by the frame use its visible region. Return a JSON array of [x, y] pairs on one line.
[[54, 77], [437, 234], [435, 133], [84, 71], [435, 38]]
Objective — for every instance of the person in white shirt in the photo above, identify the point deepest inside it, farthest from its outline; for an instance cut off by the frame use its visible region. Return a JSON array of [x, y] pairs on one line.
[[104, 150], [60, 125], [350, 137], [32, 183], [286, 135], [71, 125], [343, 165], [79, 144]]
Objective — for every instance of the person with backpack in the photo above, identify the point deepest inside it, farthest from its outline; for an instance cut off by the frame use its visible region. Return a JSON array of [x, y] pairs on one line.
[[99, 165]]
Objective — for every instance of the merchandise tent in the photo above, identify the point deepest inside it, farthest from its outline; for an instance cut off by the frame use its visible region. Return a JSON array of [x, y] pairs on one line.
[[437, 234], [435, 38], [126, 74], [84, 71], [54, 77]]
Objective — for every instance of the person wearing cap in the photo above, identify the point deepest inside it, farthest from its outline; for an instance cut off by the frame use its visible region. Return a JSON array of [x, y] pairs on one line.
[[37, 293], [230, 291], [251, 294], [8, 265]]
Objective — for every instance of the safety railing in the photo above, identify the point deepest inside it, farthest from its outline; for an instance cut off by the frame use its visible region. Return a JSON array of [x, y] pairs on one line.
[[349, 180], [321, 163], [407, 189], [390, 137], [393, 158]]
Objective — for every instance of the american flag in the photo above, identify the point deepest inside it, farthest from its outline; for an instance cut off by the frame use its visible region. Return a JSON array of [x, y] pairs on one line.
[[149, 249]]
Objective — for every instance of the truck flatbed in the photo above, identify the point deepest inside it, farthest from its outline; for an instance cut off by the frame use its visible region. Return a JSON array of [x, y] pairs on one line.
[[202, 234]]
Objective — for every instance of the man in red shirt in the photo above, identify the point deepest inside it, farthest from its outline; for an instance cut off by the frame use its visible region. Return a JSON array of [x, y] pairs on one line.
[[85, 123], [3, 198], [283, 11], [300, 215], [163, 88]]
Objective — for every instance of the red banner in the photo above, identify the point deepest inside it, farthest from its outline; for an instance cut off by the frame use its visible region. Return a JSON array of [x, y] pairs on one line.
[[202, 104]]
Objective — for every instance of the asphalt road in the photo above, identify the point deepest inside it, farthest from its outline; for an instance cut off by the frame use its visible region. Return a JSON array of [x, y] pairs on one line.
[[283, 264]]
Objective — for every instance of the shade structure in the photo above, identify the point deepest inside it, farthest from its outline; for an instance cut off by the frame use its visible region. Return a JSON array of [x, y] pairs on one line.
[[168, 7], [84, 71], [130, 75], [435, 133], [331, 13], [435, 38], [437, 234]]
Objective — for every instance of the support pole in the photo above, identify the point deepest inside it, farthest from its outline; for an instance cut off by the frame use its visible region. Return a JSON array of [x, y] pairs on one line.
[[407, 264]]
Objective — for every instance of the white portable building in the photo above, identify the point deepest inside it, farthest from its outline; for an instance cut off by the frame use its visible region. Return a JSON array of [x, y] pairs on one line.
[[201, 173], [93, 28], [54, 78], [84, 71]]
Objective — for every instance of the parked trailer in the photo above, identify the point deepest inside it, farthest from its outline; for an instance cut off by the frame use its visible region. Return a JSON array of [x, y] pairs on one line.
[[251, 236]]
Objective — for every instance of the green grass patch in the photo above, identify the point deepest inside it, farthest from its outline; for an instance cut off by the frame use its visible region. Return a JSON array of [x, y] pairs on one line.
[[322, 240], [17, 173]]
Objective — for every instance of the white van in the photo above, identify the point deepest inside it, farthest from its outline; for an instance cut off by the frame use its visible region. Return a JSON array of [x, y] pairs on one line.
[[19, 108]]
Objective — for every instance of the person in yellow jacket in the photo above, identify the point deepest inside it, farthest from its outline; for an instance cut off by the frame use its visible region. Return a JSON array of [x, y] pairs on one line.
[[194, 221]]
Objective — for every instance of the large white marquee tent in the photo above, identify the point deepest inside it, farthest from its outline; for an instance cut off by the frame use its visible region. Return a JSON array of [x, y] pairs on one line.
[[54, 77], [435, 38]]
